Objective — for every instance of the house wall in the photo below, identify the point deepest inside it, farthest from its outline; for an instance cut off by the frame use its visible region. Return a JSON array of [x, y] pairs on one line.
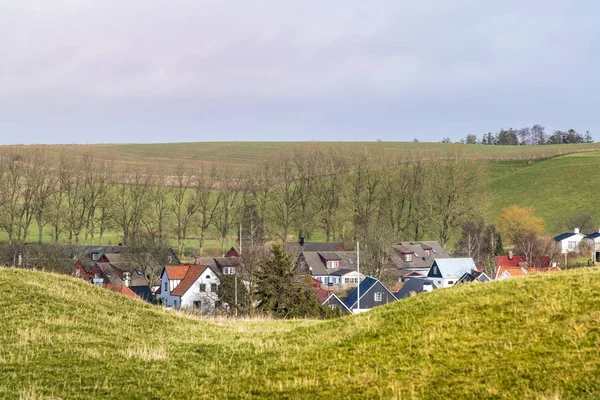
[[207, 298], [367, 301], [165, 296], [564, 244]]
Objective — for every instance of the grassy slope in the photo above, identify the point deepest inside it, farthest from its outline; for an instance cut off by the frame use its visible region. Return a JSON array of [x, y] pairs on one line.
[[536, 337], [556, 188], [245, 154]]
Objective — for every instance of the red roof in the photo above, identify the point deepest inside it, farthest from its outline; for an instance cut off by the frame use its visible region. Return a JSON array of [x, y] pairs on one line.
[[121, 289], [192, 275], [316, 283], [320, 294], [176, 272], [504, 261], [516, 271]]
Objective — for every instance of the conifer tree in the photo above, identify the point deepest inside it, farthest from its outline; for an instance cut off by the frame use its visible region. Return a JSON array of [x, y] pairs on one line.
[[499, 251]]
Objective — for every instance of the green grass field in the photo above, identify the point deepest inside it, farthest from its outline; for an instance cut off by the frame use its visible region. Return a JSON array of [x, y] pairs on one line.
[[556, 188], [526, 338]]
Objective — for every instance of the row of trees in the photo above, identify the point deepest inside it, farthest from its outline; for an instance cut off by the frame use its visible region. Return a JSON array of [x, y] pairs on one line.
[[535, 135], [347, 196]]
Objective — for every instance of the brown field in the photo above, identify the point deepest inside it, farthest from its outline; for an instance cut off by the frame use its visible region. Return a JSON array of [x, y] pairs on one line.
[[242, 155]]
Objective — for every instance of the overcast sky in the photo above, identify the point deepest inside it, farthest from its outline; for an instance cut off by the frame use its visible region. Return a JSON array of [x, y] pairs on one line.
[[89, 71]]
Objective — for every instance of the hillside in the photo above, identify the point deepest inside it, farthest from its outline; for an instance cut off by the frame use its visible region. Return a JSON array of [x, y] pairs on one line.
[[556, 188], [242, 155], [535, 337]]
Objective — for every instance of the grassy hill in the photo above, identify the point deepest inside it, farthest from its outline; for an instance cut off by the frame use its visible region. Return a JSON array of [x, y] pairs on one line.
[[556, 188], [246, 154], [536, 337]]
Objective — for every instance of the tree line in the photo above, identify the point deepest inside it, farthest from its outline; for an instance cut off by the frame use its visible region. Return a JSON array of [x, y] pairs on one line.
[[527, 136], [343, 196]]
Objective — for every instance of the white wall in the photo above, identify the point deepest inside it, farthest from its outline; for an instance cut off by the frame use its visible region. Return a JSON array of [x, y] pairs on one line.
[[564, 244], [208, 297], [164, 295]]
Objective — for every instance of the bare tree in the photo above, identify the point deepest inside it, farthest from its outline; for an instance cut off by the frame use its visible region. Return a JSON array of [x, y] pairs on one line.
[[207, 199], [285, 199], [455, 194], [132, 203], [332, 167]]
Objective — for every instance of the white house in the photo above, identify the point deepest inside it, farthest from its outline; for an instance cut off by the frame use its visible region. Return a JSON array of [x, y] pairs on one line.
[[446, 272], [569, 241], [593, 240], [189, 286]]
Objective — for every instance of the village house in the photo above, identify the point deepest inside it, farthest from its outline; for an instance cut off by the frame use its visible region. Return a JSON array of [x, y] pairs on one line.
[[189, 286], [512, 266], [568, 242], [337, 268], [445, 272], [413, 287], [411, 259], [474, 276], [593, 240], [372, 294]]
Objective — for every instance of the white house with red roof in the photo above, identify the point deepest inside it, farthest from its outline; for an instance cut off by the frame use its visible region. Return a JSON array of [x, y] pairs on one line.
[[189, 286]]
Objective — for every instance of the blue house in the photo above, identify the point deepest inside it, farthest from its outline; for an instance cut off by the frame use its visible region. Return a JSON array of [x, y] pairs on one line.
[[372, 294]]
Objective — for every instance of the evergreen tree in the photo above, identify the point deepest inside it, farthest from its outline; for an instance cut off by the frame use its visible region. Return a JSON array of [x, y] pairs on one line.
[[282, 292], [499, 251], [227, 295]]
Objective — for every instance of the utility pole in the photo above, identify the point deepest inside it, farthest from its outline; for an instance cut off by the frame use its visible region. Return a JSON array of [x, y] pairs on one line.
[[236, 294], [240, 238], [358, 272]]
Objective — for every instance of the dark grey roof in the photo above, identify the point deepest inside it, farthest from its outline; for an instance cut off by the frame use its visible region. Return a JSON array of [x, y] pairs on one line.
[[421, 260], [144, 292], [314, 246], [564, 236], [342, 272], [413, 285], [312, 262], [329, 256], [593, 235]]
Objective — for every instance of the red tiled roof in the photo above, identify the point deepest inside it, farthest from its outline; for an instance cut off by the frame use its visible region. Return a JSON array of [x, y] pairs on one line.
[[192, 275], [122, 289], [504, 261], [176, 272], [516, 271]]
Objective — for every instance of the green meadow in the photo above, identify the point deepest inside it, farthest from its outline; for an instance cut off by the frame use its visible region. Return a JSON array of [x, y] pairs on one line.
[[526, 338]]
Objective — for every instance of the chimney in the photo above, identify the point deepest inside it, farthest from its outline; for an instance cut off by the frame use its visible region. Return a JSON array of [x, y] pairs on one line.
[[576, 230], [510, 255], [127, 279], [301, 241]]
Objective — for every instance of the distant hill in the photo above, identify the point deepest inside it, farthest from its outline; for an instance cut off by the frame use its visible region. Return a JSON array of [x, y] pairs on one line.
[[526, 338], [556, 188], [244, 154]]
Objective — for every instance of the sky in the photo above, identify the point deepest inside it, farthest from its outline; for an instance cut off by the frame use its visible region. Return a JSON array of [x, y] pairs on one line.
[[104, 71]]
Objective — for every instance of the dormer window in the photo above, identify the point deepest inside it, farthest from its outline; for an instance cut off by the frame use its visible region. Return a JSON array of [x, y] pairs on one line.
[[95, 257], [408, 257], [333, 264], [428, 252], [229, 271]]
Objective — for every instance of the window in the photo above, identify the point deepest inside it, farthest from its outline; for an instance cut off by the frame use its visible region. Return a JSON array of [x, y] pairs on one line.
[[332, 307], [197, 304], [346, 280], [434, 270], [170, 259], [77, 273], [571, 245], [350, 261], [166, 286], [203, 287], [378, 296], [207, 276], [428, 252], [229, 271], [450, 282], [175, 303], [213, 287], [333, 264], [95, 256], [408, 257]]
